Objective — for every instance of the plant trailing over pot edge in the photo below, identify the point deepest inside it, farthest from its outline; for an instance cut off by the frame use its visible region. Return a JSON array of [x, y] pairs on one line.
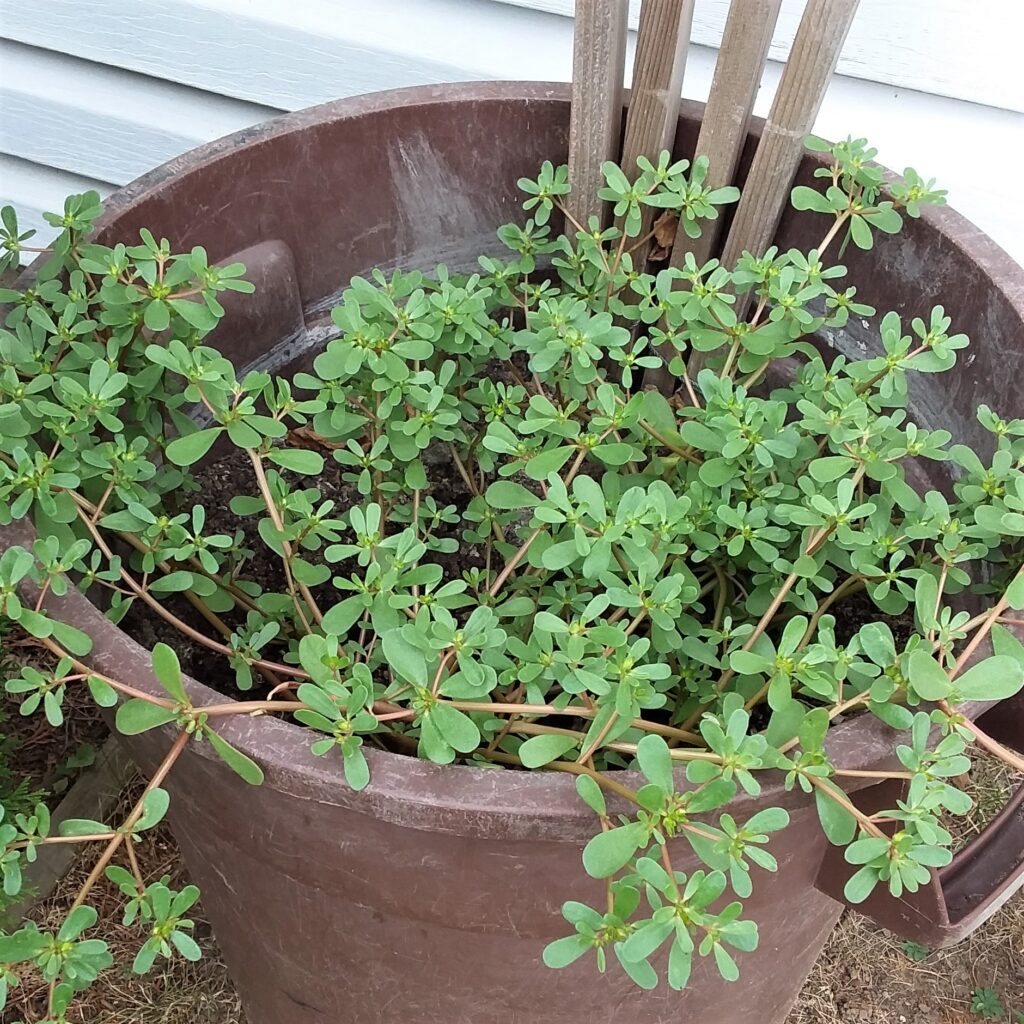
[[658, 577]]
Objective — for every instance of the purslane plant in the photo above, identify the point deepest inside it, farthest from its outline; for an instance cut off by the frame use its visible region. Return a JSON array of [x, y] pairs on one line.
[[660, 578]]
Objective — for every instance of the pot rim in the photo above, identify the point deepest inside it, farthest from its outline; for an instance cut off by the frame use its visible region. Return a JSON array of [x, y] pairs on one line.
[[405, 789]]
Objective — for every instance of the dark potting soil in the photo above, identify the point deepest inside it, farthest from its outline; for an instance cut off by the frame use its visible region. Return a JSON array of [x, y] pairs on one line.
[[42, 757], [858, 610], [222, 479]]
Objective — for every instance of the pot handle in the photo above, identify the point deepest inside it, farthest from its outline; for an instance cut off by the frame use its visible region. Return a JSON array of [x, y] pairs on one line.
[[960, 897]]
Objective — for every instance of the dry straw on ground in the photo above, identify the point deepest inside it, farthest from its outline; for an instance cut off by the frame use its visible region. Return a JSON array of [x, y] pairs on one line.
[[863, 976]]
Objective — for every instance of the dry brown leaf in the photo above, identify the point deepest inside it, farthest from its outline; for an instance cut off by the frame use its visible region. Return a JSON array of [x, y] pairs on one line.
[[664, 235], [665, 228], [307, 437]]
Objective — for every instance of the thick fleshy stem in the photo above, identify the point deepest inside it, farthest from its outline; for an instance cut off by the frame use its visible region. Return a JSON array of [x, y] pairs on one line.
[[136, 813]]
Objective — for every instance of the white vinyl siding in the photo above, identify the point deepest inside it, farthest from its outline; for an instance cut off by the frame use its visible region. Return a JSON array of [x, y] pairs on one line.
[[95, 92], [965, 49]]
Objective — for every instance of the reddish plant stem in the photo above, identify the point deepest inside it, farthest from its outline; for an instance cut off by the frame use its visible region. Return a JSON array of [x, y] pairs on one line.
[[264, 485], [183, 627], [666, 863], [158, 777], [985, 628], [43, 591], [851, 773], [239, 596], [129, 691], [588, 753], [441, 665], [133, 861], [573, 769], [862, 819], [985, 741], [573, 711], [514, 561], [64, 840]]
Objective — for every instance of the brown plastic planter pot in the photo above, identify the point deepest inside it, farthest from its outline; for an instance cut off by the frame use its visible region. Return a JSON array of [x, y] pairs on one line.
[[429, 897]]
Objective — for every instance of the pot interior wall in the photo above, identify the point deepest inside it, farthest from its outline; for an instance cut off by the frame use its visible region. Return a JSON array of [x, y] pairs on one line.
[[309, 201]]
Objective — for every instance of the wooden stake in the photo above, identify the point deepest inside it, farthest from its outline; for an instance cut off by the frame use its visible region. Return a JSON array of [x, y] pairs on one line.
[[662, 42], [745, 41], [738, 71], [811, 64], [599, 56]]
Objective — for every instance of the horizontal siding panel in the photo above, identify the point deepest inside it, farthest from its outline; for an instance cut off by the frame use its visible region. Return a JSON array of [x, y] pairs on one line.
[[966, 49], [72, 115], [292, 55]]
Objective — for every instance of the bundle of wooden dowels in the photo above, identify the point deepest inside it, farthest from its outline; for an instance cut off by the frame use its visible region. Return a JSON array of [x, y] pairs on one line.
[[651, 110]]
